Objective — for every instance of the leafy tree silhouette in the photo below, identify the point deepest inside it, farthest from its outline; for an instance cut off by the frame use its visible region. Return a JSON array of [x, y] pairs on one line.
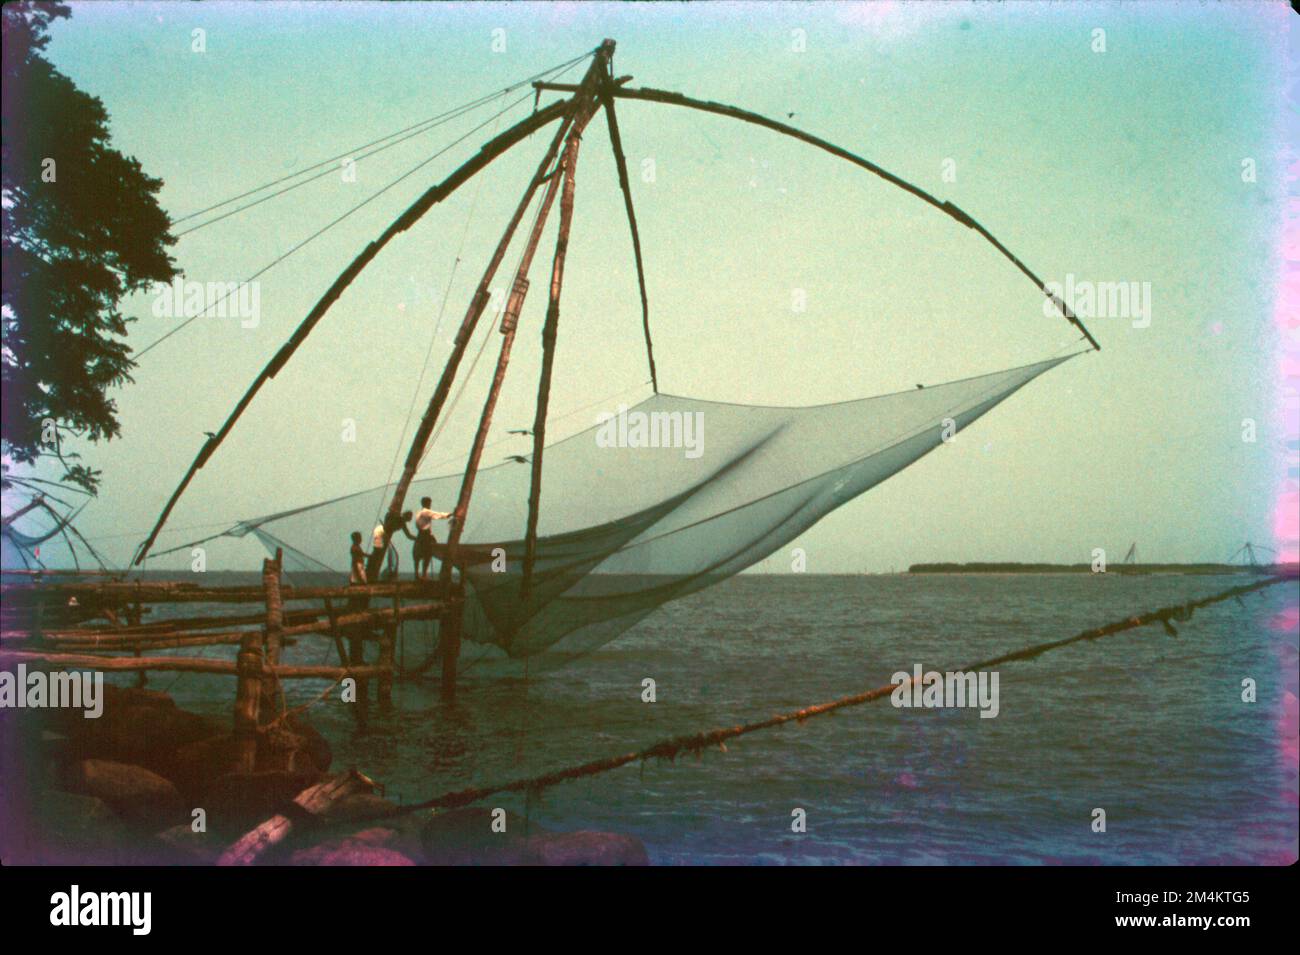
[[81, 229]]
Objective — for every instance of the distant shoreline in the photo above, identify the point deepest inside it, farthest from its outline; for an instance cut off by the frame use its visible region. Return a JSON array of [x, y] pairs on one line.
[[1015, 568]]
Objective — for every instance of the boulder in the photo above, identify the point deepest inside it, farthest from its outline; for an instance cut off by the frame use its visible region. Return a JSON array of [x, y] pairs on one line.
[[465, 837], [189, 847], [66, 828], [140, 797], [283, 749], [145, 733], [196, 766], [361, 807], [316, 745], [368, 847], [587, 848], [237, 802]]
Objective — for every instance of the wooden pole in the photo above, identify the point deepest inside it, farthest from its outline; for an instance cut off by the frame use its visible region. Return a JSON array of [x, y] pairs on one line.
[[549, 331], [449, 630], [946, 207], [435, 194], [248, 689], [274, 627], [620, 162], [478, 304], [585, 106], [90, 661], [386, 643]]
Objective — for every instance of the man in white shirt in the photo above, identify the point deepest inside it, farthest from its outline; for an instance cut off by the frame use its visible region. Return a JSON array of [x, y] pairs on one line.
[[424, 539]]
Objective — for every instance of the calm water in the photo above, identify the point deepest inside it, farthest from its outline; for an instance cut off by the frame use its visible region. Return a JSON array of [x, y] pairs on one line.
[[1149, 727]]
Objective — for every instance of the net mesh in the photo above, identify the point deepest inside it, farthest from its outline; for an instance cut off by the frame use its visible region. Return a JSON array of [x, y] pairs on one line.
[[653, 502]]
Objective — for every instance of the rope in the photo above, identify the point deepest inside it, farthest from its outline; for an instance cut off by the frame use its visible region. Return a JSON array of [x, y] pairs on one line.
[[436, 120], [433, 340], [329, 225], [697, 742]]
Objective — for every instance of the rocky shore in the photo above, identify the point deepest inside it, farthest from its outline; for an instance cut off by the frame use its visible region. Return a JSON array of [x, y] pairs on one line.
[[146, 784]]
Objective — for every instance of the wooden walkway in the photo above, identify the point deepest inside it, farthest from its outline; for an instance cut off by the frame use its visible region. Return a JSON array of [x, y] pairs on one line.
[[49, 623]]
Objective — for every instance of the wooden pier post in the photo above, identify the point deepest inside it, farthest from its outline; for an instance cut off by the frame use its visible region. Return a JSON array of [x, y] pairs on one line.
[[274, 627], [449, 626], [357, 658], [248, 697], [386, 644]]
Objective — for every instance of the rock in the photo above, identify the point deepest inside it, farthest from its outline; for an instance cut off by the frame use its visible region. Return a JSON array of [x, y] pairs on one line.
[[139, 796], [587, 848], [285, 750], [189, 846], [316, 745], [147, 734], [115, 699], [465, 837], [361, 807], [68, 829], [365, 848], [236, 802], [196, 766]]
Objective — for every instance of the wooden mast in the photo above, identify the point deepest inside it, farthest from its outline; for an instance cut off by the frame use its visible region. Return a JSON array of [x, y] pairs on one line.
[[392, 521], [435, 194], [647, 94], [584, 106], [549, 331], [620, 161]]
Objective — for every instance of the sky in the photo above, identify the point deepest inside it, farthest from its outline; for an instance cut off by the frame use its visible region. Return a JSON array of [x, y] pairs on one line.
[[1113, 156]]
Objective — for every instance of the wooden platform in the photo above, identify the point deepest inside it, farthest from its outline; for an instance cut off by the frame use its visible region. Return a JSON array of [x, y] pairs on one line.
[[52, 622]]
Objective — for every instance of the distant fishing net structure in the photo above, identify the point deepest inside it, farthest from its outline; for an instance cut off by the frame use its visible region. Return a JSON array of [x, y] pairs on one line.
[[21, 550], [627, 524]]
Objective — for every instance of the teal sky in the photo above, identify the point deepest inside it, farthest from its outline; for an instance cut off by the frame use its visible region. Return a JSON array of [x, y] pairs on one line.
[[1123, 165]]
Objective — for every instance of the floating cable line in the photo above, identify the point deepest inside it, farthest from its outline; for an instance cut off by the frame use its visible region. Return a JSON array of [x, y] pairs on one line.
[[329, 225], [435, 120]]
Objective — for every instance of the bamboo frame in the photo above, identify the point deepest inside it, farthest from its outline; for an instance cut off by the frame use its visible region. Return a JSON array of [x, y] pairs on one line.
[[490, 151]]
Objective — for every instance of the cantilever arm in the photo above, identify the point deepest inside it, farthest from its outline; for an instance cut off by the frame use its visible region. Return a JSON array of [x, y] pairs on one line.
[[721, 109], [616, 141], [435, 194]]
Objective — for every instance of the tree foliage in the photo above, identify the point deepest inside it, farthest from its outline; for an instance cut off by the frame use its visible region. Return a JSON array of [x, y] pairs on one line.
[[82, 228]]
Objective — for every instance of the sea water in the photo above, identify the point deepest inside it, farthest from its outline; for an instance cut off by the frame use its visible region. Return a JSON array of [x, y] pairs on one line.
[[1150, 728]]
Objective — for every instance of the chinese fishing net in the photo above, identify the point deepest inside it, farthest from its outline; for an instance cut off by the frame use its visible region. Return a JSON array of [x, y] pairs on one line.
[[666, 498]]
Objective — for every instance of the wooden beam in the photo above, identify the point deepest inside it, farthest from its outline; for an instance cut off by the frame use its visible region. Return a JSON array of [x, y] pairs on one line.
[[489, 151], [477, 305], [620, 161], [80, 661], [547, 86], [549, 333], [947, 208], [313, 801], [581, 109]]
